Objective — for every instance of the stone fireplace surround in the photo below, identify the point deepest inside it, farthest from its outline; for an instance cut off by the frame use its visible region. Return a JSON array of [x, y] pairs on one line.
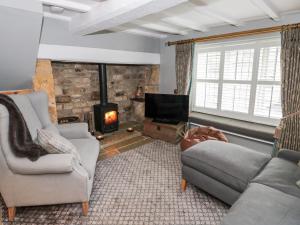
[[77, 87]]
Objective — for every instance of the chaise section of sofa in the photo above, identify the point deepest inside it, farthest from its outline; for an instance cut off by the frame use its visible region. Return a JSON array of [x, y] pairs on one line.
[[263, 191], [264, 205], [272, 196], [222, 169]]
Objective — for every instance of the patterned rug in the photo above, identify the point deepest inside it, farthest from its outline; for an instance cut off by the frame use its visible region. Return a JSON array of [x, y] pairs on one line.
[[138, 187]]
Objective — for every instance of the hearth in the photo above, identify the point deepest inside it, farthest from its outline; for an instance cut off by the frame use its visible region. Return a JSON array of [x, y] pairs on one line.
[[105, 114]]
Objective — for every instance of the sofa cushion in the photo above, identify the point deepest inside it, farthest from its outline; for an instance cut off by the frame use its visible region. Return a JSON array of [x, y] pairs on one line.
[[89, 150], [263, 205], [32, 120], [282, 175], [231, 164]]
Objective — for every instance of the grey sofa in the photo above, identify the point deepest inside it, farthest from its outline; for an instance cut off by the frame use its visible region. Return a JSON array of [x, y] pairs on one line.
[[222, 169], [272, 197], [261, 190], [53, 178]]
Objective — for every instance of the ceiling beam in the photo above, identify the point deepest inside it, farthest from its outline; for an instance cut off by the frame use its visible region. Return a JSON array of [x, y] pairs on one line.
[[218, 16], [163, 28], [67, 4], [132, 29], [267, 8], [185, 23], [114, 13], [145, 33], [56, 16]]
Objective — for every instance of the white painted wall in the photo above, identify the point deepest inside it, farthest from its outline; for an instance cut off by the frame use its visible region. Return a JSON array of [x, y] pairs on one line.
[[61, 44], [20, 25], [167, 67], [56, 32]]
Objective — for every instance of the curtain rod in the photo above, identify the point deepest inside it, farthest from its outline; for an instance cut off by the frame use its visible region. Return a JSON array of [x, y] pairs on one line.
[[235, 34]]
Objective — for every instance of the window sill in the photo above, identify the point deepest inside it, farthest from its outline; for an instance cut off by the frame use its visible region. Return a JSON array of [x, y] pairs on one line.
[[254, 130]]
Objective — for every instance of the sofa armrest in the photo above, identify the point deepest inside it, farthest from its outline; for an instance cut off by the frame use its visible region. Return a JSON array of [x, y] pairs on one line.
[[74, 130], [289, 155], [47, 164]]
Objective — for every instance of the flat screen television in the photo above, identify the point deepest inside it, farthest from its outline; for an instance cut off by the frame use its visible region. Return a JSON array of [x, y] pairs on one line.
[[165, 108]]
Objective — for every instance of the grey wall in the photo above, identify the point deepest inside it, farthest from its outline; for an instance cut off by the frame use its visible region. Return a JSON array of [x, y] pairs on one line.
[[56, 32], [167, 67], [20, 26], [248, 142], [257, 145], [22, 31]]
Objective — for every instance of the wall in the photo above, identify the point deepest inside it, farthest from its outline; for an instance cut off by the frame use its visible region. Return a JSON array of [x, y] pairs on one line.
[[77, 87], [22, 32], [59, 44], [248, 142], [20, 26], [56, 32], [167, 53]]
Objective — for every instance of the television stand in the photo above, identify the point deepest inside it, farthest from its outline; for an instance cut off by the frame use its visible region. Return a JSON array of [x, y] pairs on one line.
[[163, 131], [167, 121]]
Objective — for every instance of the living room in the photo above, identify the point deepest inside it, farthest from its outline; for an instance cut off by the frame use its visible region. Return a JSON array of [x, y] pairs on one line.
[[150, 112]]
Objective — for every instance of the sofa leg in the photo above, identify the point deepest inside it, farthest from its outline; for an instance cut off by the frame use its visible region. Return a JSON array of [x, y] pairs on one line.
[[85, 208], [183, 184], [11, 213]]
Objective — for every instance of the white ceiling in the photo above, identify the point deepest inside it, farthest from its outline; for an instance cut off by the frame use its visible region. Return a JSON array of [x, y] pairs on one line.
[[159, 18]]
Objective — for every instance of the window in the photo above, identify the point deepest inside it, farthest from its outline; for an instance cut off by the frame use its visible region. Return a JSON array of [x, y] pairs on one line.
[[239, 80]]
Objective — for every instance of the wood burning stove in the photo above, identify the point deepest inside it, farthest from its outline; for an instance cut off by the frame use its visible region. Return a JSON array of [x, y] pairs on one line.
[[105, 114]]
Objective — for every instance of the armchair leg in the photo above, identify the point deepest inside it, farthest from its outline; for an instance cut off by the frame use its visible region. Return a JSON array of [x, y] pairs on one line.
[[183, 184], [85, 208], [11, 213]]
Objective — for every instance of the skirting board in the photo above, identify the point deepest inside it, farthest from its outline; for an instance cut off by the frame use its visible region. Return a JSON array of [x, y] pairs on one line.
[[96, 55]]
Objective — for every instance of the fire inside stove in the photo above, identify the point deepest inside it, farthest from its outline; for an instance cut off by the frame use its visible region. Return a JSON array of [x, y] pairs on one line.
[[110, 117]]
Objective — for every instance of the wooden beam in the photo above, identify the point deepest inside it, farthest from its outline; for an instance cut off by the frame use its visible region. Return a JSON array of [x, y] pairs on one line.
[[114, 13], [163, 28], [67, 4], [185, 23], [44, 81], [235, 34], [96, 55], [267, 8], [16, 92]]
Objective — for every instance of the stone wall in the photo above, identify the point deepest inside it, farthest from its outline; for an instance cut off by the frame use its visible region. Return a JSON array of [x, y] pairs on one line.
[[43, 81], [77, 87]]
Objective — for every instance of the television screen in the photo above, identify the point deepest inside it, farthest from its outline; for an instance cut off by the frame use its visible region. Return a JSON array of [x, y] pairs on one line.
[[167, 108]]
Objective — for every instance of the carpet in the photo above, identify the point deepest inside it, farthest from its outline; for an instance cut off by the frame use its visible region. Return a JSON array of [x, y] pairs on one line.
[[138, 187]]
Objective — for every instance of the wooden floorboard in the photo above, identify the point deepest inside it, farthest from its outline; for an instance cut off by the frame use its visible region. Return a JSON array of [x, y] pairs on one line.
[[121, 141]]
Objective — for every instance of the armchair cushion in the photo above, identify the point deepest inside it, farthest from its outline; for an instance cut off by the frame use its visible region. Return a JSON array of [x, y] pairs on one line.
[[74, 130], [31, 118], [54, 143], [39, 102], [48, 164], [89, 150]]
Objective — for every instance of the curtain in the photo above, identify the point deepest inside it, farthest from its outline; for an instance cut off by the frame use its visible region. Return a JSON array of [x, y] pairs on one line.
[[289, 135], [184, 62]]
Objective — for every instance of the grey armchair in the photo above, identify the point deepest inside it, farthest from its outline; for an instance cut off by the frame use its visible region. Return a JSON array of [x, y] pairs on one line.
[[53, 178]]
